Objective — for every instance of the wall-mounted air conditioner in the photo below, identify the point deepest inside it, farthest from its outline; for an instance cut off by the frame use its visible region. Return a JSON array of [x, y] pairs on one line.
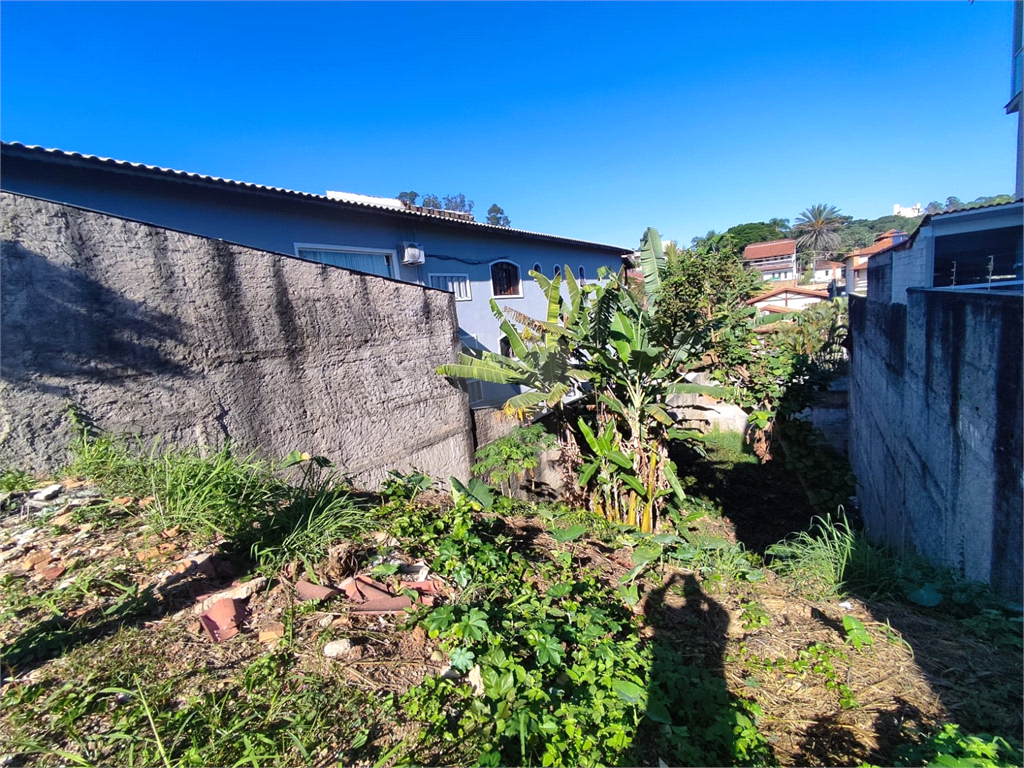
[[413, 253]]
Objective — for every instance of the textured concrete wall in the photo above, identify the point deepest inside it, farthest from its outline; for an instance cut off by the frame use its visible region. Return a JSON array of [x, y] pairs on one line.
[[162, 333], [936, 428]]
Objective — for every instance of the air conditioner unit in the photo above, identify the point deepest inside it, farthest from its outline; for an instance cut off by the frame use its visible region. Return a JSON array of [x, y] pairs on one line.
[[412, 253]]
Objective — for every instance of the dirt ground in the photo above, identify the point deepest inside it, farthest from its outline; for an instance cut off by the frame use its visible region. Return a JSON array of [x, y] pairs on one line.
[[921, 669]]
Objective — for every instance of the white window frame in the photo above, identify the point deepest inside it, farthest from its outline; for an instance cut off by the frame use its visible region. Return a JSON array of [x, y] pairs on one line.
[[389, 254], [490, 279], [465, 277]]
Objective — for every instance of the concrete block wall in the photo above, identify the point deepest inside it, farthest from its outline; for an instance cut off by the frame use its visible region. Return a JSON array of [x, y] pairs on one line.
[[156, 332], [935, 429]]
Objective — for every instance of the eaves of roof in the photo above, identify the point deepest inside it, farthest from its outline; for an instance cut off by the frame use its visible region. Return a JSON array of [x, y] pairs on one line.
[[792, 288], [417, 212]]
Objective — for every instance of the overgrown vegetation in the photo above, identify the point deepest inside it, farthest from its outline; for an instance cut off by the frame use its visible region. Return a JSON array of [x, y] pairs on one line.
[[554, 660]]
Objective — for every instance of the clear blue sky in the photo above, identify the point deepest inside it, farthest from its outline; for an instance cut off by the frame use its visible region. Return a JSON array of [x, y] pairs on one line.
[[586, 120]]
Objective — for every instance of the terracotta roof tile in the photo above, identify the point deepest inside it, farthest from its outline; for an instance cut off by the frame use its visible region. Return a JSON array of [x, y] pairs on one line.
[[793, 288], [785, 247]]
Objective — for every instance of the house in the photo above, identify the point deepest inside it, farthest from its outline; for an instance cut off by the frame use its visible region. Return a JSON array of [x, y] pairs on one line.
[[380, 236], [909, 212], [775, 260], [788, 299], [857, 261], [826, 271]]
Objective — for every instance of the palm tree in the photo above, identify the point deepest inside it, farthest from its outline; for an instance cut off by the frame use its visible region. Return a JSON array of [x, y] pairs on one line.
[[819, 229]]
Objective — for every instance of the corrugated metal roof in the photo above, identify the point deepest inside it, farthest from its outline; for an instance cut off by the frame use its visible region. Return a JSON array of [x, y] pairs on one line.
[[345, 199]]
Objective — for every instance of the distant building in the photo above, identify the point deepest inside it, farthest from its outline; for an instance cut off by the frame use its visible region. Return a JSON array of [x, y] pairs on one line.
[[908, 212], [775, 260], [857, 261], [789, 299], [826, 271]]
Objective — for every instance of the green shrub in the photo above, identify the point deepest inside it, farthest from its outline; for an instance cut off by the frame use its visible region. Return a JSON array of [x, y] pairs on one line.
[[513, 455], [950, 747]]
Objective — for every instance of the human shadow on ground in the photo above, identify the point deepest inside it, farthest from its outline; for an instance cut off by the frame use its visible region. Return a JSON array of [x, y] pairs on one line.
[[692, 719]]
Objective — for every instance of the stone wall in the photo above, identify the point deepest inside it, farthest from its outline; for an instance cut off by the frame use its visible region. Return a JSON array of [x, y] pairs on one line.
[[155, 332], [936, 428]]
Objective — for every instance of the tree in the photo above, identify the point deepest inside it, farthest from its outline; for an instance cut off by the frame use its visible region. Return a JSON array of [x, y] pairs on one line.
[[754, 232], [432, 201], [409, 197], [458, 203], [819, 227], [953, 204], [497, 217], [780, 224], [933, 207]]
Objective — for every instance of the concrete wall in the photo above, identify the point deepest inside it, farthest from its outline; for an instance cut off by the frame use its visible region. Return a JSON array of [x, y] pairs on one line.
[[276, 223], [935, 428], [163, 333]]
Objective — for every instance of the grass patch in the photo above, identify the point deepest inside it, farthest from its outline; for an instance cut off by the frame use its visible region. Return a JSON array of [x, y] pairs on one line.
[[268, 512], [731, 447], [125, 705]]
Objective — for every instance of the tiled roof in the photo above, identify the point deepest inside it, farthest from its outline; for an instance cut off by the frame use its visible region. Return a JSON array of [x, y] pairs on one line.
[[785, 247], [826, 264], [791, 288], [778, 309], [341, 199], [881, 244]]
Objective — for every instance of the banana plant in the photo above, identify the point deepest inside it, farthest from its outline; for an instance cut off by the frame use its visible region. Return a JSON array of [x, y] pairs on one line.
[[544, 359]]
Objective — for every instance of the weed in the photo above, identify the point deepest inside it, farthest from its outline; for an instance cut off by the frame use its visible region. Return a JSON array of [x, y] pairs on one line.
[[950, 746], [834, 559], [754, 616], [13, 480], [513, 455], [405, 487]]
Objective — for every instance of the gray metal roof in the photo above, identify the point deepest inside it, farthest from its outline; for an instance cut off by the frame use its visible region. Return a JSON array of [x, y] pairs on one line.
[[417, 212]]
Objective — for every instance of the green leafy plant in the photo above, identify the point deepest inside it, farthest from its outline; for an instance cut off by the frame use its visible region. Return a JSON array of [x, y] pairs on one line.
[[949, 746], [856, 633], [16, 480], [513, 455], [405, 486]]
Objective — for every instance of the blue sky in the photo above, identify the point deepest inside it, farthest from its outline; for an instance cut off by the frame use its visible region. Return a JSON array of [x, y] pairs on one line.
[[585, 120]]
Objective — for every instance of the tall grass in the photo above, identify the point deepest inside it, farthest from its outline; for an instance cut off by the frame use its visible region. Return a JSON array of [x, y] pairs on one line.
[[273, 512], [834, 559]]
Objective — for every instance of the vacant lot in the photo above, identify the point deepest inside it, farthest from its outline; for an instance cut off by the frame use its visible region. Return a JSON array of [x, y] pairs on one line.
[[544, 636]]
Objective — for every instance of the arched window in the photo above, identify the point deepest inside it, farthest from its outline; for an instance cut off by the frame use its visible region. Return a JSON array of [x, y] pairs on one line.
[[537, 269], [505, 279], [557, 272], [583, 275]]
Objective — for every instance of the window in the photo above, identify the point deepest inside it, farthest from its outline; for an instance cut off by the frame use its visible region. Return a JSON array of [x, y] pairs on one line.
[[583, 275], [505, 279], [505, 346], [457, 284], [372, 261], [557, 272], [537, 269]]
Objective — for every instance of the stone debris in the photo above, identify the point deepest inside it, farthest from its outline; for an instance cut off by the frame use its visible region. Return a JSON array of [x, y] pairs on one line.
[[49, 493], [337, 648]]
